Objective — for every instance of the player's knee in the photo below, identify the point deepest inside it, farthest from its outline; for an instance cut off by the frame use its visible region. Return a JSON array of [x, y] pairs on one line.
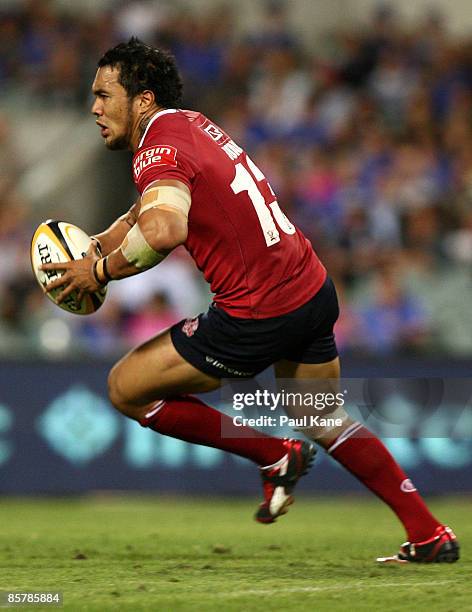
[[118, 396]]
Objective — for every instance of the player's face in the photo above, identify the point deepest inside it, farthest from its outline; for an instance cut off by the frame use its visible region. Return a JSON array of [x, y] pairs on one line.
[[112, 108]]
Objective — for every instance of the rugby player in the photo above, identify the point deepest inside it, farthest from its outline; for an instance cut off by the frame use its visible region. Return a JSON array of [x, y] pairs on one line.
[[274, 302]]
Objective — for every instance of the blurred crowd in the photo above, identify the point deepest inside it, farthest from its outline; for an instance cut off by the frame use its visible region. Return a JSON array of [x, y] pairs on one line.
[[365, 135]]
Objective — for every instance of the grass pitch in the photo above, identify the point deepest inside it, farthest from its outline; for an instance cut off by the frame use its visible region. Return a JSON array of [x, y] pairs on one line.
[[150, 553]]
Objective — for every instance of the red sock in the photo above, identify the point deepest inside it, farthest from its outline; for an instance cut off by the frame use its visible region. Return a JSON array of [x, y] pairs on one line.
[[188, 418], [365, 456]]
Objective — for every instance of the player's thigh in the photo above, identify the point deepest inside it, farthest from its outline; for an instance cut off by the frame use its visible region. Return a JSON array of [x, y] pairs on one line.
[[155, 370]]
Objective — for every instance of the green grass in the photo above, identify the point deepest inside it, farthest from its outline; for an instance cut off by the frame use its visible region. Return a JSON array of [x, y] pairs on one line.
[[150, 553]]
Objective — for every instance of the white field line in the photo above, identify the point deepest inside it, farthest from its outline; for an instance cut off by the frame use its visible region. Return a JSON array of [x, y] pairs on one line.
[[343, 587]]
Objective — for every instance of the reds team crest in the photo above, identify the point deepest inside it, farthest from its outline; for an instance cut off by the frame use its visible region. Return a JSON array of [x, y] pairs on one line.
[[190, 326]]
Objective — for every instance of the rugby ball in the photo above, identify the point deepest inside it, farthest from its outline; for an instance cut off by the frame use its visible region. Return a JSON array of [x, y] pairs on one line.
[[57, 241]]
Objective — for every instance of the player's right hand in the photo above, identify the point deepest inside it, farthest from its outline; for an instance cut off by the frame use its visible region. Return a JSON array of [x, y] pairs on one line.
[[78, 275]]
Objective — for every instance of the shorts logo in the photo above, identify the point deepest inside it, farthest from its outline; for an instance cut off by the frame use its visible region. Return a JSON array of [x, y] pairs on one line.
[[190, 327], [153, 157], [407, 486], [221, 366]]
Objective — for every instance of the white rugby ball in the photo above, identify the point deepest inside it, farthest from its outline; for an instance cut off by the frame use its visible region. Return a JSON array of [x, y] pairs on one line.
[[57, 241]]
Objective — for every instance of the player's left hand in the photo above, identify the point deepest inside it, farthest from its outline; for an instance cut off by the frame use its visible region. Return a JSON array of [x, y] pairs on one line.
[[78, 275]]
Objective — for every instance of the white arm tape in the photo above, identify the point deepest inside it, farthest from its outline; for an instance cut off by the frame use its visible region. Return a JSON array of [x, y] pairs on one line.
[[168, 196], [137, 251]]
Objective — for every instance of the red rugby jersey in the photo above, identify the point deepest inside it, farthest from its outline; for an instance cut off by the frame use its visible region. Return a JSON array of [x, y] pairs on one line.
[[258, 264]]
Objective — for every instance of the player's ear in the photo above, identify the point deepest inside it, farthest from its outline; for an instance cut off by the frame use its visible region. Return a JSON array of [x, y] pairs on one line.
[[146, 100]]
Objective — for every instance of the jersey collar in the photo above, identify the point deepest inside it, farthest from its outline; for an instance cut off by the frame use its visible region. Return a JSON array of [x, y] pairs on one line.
[[156, 116]]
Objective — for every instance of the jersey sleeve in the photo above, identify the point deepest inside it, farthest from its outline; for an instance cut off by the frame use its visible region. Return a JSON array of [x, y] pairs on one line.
[[162, 156]]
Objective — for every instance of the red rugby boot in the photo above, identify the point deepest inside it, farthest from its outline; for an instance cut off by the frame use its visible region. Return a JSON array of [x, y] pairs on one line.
[[280, 479], [441, 547]]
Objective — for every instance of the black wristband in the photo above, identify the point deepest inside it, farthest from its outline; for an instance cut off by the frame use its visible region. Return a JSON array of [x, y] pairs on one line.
[[95, 275], [99, 244], [106, 274]]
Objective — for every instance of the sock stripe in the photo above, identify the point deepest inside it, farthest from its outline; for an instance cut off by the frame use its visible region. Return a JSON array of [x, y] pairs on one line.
[[348, 433], [157, 406]]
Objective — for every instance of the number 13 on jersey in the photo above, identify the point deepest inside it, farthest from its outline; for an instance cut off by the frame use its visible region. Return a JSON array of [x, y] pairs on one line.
[[268, 215]]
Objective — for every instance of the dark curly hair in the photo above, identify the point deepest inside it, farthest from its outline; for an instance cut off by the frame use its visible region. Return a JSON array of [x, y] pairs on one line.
[[143, 67]]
